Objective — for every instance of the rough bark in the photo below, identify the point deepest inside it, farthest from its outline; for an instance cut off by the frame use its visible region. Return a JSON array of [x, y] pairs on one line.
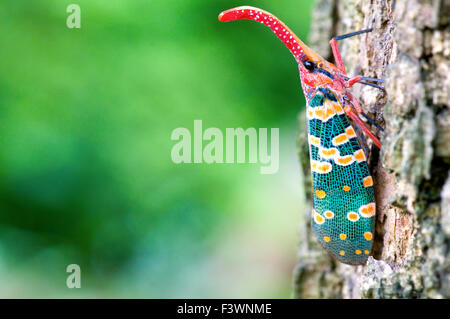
[[409, 49]]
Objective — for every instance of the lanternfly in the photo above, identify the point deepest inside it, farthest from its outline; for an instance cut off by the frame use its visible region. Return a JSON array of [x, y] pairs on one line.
[[344, 203]]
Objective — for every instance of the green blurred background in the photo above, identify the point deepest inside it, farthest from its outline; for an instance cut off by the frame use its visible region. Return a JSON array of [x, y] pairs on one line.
[[86, 175]]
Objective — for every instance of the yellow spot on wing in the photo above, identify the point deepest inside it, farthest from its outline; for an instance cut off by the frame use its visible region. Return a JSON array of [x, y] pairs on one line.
[[343, 236], [358, 252], [321, 167], [319, 219], [328, 153], [329, 113], [338, 108], [340, 139], [368, 181], [328, 214], [325, 168], [320, 193], [326, 111], [352, 216], [327, 239], [367, 210], [345, 160], [342, 253], [350, 132], [314, 140], [360, 156], [319, 113], [368, 236]]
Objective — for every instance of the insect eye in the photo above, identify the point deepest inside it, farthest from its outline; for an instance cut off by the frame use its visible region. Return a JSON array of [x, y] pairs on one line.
[[309, 65]]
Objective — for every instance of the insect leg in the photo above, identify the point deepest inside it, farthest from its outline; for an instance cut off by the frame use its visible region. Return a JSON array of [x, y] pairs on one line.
[[373, 85], [349, 111], [337, 55], [335, 49], [363, 80], [359, 110], [354, 80], [372, 121], [362, 140], [371, 79], [348, 35]]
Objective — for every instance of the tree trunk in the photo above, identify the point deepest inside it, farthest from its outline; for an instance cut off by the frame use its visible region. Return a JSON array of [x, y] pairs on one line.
[[409, 49]]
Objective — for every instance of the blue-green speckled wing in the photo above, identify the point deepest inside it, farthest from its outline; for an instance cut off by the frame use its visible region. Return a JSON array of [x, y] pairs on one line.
[[343, 204]]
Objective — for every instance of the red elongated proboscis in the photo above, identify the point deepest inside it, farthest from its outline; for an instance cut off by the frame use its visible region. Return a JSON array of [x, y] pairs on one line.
[[292, 42], [329, 75]]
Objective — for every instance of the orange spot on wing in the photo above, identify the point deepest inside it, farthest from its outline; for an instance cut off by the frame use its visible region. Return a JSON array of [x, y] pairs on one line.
[[322, 167], [319, 219], [329, 112], [360, 156], [343, 236], [350, 132], [352, 216], [345, 160], [368, 236], [367, 210], [338, 108], [319, 113], [340, 139], [346, 188], [314, 140], [329, 151], [320, 193], [329, 214], [368, 181]]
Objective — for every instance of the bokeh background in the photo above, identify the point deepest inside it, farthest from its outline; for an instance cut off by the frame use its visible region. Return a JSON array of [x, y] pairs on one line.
[[86, 175]]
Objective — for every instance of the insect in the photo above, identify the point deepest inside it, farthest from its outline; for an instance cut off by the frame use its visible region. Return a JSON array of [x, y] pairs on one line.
[[344, 203]]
